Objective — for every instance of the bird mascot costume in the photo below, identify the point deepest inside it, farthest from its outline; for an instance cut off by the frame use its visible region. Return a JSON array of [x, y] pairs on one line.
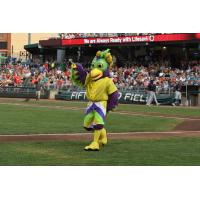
[[101, 93]]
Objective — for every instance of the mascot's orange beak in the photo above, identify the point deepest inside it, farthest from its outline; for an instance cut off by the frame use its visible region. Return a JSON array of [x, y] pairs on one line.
[[96, 74]]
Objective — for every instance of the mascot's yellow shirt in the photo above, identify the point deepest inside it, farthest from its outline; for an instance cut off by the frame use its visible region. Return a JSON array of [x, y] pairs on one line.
[[100, 89]]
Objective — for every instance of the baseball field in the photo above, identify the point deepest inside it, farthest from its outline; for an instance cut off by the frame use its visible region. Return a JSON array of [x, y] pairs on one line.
[[50, 133]]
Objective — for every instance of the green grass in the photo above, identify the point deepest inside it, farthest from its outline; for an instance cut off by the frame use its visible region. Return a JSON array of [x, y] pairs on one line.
[[80, 104], [180, 111], [30, 119], [21, 119], [162, 152]]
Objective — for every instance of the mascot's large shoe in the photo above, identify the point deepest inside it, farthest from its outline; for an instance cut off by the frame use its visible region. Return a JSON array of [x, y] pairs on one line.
[[103, 138], [94, 146]]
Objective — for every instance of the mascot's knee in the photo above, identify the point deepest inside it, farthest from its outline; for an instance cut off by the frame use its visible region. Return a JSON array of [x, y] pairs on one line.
[[98, 127], [88, 129]]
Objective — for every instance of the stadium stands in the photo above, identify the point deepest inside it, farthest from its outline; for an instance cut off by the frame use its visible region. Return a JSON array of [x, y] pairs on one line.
[[56, 76]]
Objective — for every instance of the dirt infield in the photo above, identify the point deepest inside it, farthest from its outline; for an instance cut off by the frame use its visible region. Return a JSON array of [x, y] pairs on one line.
[[190, 127]]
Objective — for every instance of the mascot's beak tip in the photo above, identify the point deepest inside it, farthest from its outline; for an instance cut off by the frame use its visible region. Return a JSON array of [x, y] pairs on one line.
[[96, 74]]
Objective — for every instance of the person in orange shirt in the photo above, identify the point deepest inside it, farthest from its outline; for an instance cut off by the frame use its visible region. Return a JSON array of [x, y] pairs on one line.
[[17, 80], [33, 80]]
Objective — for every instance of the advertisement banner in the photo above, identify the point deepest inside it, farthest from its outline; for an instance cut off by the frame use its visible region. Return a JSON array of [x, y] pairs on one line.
[[132, 39], [124, 97]]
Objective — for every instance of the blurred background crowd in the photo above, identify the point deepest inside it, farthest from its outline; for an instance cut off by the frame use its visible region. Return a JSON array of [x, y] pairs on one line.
[[129, 77]]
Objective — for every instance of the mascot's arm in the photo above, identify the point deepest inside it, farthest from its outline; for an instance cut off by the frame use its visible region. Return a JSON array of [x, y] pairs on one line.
[[112, 101], [78, 74]]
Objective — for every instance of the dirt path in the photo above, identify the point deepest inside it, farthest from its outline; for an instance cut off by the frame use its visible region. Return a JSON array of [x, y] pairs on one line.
[[88, 137]]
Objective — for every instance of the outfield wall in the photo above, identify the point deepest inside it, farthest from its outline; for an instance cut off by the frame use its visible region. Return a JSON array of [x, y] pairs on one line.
[[191, 97], [125, 97], [21, 92]]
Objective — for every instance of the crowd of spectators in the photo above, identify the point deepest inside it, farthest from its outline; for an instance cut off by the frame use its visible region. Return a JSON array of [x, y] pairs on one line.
[[54, 76], [51, 76], [165, 77]]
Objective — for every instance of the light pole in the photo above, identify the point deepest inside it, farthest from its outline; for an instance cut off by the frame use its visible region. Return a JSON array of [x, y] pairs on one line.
[[29, 42], [29, 38]]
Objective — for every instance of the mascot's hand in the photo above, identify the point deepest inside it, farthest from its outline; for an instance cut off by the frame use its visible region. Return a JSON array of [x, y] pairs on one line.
[[78, 74], [73, 66], [74, 71]]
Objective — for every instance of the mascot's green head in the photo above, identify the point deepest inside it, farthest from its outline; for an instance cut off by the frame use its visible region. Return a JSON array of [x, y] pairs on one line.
[[100, 64]]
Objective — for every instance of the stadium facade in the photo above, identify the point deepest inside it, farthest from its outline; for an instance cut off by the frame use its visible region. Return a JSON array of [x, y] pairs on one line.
[[5, 44], [173, 47]]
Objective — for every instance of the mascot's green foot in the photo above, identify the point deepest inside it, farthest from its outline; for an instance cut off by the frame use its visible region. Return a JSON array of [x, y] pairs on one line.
[[94, 146]]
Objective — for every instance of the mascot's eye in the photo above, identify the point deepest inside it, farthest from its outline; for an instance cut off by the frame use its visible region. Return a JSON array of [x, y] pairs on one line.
[[100, 65]]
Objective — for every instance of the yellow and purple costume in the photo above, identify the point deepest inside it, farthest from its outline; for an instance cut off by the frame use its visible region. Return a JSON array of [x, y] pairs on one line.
[[101, 93]]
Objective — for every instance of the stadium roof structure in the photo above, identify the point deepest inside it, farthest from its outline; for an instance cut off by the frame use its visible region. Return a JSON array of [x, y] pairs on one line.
[[32, 48], [114, 41], [171, 45]]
